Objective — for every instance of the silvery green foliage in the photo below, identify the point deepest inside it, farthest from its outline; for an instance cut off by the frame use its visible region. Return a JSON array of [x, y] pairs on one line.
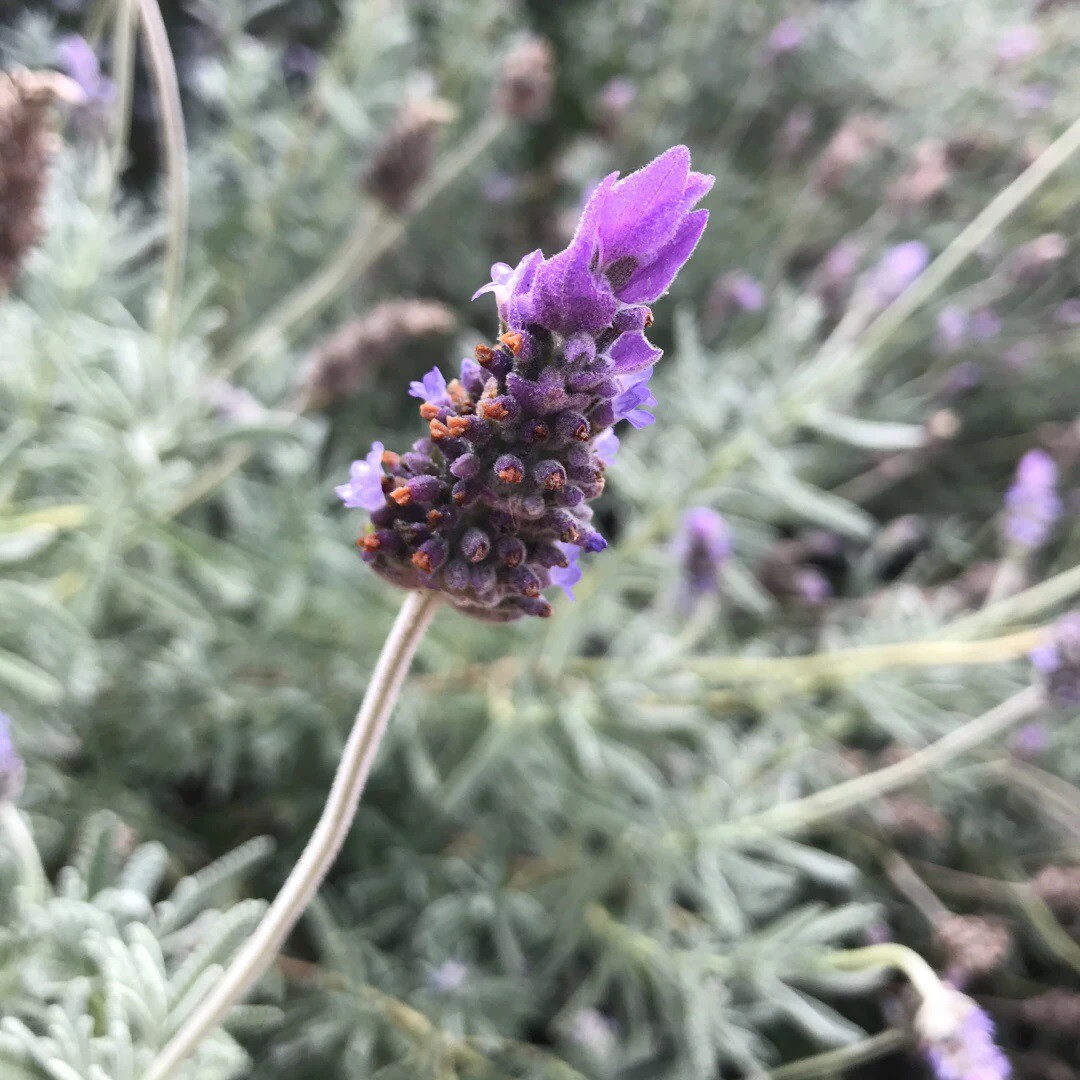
[[99, 974], [551, 869]]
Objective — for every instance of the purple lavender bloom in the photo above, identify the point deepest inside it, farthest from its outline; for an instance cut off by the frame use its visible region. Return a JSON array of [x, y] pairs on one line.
[[594, 1031], [785, 38], [566, 577], [734, 292], [431, 388], [963, 378], [300, 62], [499, 187], [701, 547], [491, 506], [812, 586], [985, 325], [364, 489], [1032, 504], [449, 976], [1020, 356], [77, 60], [1030, 741], [897, 270], [1018, 43], [12, 768], [958, 1040], [1033, 98], [1057, 660], [953, 324], [1068, 312], [232, 404]]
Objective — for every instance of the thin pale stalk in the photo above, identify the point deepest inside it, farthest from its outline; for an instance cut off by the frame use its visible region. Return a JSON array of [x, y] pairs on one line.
[[31, 873], [889, 955], [170, 110], [261, 949], [803, 813], [123, 72], [835, 1062]]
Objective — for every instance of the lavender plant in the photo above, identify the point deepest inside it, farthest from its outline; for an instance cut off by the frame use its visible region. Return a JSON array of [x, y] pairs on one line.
[[628, 839]]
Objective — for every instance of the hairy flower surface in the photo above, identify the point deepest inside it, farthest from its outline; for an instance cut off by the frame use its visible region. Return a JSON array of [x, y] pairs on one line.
[[958, 1039], [491, 507]]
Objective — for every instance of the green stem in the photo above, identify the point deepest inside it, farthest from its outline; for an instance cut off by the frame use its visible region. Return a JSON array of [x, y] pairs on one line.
[[1024, 605], [167, 87], [889, 955], [801, 814], [833, 1062], [31, 872], [260, 950], [123, 73]]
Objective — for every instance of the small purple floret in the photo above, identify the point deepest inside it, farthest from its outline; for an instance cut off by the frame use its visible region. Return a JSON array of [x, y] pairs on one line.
[[432, 388], [364, 489], [897, 271]]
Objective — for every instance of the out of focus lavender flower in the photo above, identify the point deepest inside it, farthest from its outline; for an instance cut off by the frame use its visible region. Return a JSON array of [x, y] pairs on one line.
[[734, 292], [1033, 98], [1032, 504], [701, 547], [12, 769], [831, 281], [498, 187], [897, 270], [794, 133], [1017, 43], [1035, 259], [963, 378], [1030, 741], [958, 1039], [300, 62], [812, 586], [854, 142], [953, 323], [232, 404], [785, 38], [1020, 356], [594, 1031], [984, 325], [449, 976], [614, 101], [77, 60], [1068, 312], [1057, 660], [926, 178]]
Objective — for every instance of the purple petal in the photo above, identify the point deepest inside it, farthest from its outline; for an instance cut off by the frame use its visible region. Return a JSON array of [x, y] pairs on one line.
[[364, 488], [566, 577], [652, 281], [634, 352]]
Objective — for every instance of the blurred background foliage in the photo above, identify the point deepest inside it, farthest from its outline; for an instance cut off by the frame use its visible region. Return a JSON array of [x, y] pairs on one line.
[[550, 874]]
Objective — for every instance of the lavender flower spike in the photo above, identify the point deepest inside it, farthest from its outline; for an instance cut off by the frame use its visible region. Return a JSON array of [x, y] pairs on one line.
[[958, 1039], [1032, 504], [702, 546], [490, 507], [12, 769]]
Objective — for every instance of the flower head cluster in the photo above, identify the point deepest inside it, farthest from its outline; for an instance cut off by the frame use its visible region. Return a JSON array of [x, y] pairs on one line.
[[1057, 660], [12, 769], [1032, 504], [491, 506], [702, 546], [958, 1039]]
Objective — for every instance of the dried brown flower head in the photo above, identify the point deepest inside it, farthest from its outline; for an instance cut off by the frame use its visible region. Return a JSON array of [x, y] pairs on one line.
[[339, 365], [403, 159], [526, 80], [27, 142], [973, 944]]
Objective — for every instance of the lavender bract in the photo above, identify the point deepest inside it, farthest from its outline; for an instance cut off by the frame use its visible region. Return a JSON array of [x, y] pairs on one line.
[[491, 506]]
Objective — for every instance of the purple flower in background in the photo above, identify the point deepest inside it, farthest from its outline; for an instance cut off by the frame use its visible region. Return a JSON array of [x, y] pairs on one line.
[[365, 487], [701, 547], [1032, 504], [1030, 741], [812, 586], [1068, 312], [449, 976], [897, 270], [300, 62], [958, 1039], [1033, 98], [594, 1031], [1020, 356], [963, 378], [953, 324], [613, 103], [984, 325], [1018, 43], [1057, 660], [491, 506], [431, 388], [12, 769], [499, 187], [735, 291], [785, 38], [232, 404], [77, 60]]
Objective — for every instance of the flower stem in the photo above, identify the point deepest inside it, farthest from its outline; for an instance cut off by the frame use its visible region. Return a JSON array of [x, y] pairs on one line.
[[260, 950], [834, 1062], [31, 872], [889, 955], [167, 88], [803, 813]]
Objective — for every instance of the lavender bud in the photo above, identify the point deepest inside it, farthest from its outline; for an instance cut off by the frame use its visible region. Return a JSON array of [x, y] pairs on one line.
[[12, 768], [526, 80], [403, 160], [475, 545], [550, 475], [467, 467]]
